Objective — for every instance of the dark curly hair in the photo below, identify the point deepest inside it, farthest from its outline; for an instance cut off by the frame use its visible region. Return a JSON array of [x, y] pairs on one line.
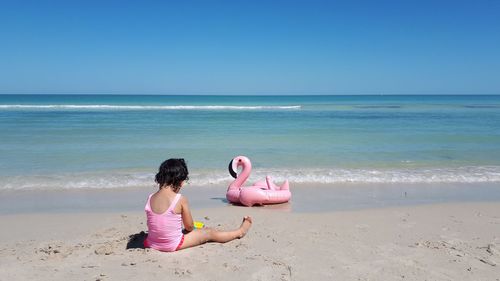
[[172, 172]]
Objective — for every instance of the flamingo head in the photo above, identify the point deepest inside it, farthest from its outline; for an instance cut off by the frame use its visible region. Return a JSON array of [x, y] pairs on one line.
[[237, 162]]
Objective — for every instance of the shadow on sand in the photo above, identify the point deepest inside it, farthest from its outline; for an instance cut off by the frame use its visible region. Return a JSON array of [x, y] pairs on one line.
[[222, 199], [136, 241]]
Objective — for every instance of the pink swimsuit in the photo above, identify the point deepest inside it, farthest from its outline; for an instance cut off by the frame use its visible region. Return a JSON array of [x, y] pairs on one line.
[[164, 230]]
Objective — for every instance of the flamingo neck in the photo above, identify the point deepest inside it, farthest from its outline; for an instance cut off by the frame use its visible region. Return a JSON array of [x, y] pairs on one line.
[[241, 179]]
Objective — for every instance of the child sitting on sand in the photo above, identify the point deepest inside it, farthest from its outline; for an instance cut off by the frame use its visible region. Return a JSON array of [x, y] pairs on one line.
[[167, 210]]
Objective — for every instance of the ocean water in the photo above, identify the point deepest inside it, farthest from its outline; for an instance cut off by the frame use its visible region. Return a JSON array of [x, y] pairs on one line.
[[113, 141]]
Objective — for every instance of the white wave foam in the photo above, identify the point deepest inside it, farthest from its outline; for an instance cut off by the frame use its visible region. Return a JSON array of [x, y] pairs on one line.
[[146, 107], [481, 174]]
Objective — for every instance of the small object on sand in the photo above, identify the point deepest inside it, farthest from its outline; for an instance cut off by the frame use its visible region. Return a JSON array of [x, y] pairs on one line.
[[198, 225]]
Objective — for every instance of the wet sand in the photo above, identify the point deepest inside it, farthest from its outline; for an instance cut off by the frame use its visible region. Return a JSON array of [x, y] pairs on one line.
[[306, 198]]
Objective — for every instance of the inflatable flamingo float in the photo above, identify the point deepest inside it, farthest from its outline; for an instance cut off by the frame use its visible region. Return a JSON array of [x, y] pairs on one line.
[[262, 192]]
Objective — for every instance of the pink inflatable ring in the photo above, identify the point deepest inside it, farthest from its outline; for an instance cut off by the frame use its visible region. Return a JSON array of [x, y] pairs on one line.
[[262, 192]]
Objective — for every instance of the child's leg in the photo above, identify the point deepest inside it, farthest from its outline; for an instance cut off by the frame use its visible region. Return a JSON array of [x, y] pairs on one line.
[[201, 236]]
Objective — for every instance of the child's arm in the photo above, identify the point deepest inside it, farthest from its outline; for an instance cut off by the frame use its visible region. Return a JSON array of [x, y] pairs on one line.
[[187, 219]]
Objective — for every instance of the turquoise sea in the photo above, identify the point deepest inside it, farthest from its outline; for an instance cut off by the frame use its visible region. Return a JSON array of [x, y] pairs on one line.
[[116, 141]]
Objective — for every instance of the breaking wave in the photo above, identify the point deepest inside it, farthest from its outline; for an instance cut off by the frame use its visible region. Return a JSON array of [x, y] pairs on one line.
[[476, 174], [144, 107]]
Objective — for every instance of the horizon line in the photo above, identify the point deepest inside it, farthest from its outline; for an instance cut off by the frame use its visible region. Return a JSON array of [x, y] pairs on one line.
[[248, 94]]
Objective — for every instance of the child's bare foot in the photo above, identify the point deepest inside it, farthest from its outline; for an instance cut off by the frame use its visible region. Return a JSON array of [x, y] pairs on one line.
[[245, 226]]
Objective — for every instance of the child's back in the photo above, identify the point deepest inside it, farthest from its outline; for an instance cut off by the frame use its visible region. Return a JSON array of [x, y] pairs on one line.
[[164, 229]]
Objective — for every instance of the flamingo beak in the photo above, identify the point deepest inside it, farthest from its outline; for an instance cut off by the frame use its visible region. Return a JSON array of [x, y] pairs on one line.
[[231, 170]]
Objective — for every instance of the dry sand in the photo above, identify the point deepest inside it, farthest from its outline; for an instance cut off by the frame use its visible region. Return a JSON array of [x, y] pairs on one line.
[[456, 241]]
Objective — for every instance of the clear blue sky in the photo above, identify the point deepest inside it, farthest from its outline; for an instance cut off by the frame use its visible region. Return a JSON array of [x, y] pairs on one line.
[[250, 47]]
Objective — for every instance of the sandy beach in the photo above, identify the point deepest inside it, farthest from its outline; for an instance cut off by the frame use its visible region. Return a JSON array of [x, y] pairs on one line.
[[374, 124], [452, 241]]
